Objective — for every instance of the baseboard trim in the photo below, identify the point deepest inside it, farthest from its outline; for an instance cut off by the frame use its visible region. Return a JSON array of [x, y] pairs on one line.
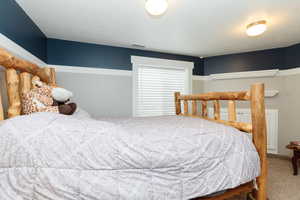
[[282, 157]]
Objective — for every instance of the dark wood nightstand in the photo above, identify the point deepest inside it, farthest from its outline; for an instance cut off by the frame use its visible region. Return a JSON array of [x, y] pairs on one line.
[[296, 156]]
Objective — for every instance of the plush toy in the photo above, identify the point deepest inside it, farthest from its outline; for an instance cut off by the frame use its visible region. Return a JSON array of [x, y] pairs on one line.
[[44, 98]]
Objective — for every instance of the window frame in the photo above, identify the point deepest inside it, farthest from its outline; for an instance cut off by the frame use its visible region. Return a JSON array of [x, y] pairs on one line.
[[140, 61]]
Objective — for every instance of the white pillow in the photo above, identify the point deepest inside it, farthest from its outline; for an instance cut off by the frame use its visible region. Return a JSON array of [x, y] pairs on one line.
[[61, 94]]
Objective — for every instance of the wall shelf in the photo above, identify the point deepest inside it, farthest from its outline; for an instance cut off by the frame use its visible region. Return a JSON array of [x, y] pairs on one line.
[[271, 93]]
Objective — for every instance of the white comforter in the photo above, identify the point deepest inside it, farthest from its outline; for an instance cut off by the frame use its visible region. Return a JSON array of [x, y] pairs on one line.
[[55, 157]]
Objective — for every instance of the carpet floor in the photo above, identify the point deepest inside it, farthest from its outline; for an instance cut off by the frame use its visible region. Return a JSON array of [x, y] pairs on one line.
[[282, 184]]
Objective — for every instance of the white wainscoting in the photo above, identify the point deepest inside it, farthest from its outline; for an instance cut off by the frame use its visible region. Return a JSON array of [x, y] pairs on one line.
[[244, 115]]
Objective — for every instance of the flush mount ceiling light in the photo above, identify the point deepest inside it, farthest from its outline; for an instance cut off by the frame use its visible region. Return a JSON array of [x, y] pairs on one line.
[[156, 7], [256, 28]]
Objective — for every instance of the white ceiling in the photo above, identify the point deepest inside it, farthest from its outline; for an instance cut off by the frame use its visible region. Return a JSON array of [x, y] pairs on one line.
[[190, 27]]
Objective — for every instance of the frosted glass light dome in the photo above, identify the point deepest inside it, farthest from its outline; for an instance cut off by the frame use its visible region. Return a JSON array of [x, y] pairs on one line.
[[256, 28], [156, 7]]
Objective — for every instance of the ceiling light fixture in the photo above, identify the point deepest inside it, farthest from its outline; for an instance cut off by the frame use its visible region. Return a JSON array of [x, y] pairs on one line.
[[256, 28], [156, 7]]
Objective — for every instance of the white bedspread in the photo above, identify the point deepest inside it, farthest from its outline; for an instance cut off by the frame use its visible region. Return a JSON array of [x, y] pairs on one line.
[[48, 156]]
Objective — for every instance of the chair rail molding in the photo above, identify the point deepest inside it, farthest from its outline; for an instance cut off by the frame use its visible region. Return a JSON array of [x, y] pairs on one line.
[[292, 71], [225, 76], [91, 70], [248, 74]]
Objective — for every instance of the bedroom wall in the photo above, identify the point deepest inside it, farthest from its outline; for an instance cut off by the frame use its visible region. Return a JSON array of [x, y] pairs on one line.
[[100, 95], [279, 58], [250, 61], [17, 26], [109, 96], [69, 53], [287, 102], [292, 56]]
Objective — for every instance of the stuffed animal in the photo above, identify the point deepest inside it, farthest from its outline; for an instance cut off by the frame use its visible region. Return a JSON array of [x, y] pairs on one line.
[[44, 98]]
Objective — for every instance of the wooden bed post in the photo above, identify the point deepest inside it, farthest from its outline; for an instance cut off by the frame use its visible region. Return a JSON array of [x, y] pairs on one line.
[[204, 109], [217, 110], [25, 83], [177, 103], [52, 77], [259, 131], [50, 72], [232, 111], [12, 81]]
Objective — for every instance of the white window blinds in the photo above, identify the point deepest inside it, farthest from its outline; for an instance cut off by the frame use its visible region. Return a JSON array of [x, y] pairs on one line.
[[154, 86]]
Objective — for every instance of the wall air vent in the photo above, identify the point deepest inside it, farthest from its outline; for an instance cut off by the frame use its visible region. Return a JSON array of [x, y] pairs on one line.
[[138, 46]]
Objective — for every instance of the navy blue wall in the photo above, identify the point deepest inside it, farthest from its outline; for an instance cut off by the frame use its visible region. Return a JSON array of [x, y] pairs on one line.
[[62, 52], [17, 26], [258, 60], [280, 58], [292, 56]]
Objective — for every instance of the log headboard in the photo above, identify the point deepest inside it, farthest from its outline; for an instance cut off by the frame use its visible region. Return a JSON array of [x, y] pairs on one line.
[[19, 74]]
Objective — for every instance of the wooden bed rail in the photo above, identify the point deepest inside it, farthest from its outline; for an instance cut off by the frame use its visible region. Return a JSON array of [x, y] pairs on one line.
[[241, 96], [19, 75], [215, 97], [258, 126]]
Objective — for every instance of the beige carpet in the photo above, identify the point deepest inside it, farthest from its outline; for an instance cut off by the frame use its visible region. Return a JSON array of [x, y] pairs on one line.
[[282, 185]]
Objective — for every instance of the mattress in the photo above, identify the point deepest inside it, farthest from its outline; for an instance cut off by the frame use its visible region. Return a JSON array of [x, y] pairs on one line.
[[56, 157]]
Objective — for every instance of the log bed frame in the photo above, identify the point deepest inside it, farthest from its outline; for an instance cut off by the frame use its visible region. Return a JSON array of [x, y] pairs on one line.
[[20, 73]]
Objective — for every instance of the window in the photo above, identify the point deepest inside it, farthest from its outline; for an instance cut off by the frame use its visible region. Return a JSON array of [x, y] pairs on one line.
[[154, 83]]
